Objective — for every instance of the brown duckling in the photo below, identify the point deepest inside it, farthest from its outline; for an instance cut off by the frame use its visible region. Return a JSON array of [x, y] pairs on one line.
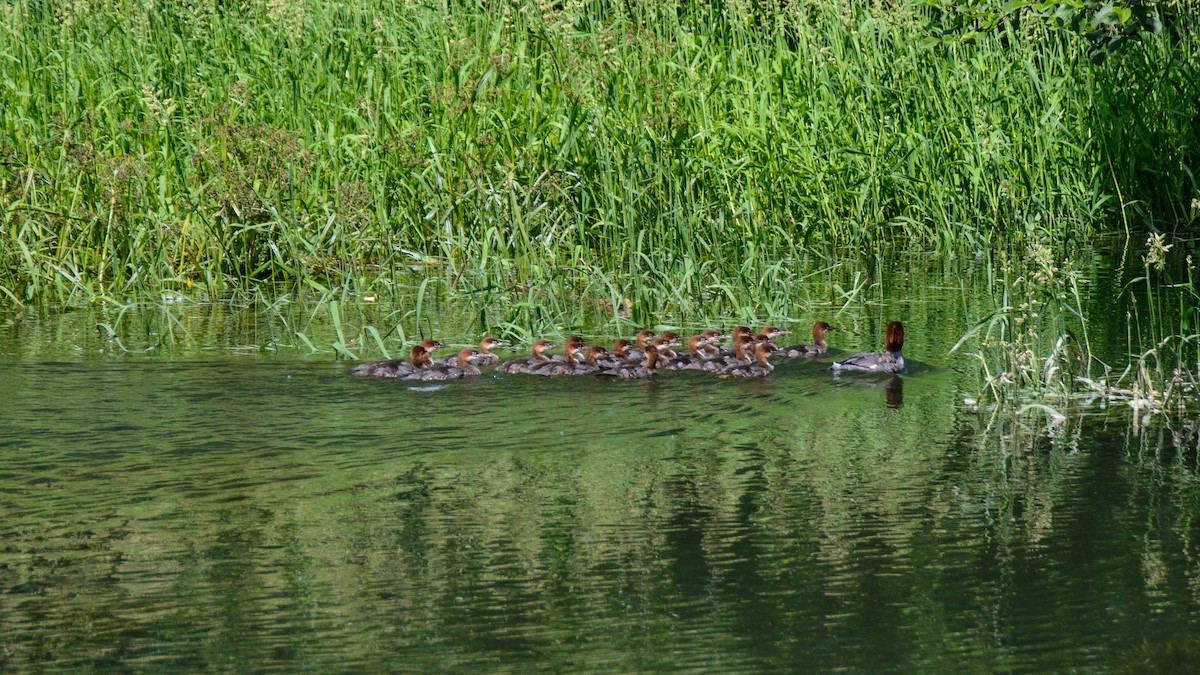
[[419, 358], [817, 348], [524, 365]]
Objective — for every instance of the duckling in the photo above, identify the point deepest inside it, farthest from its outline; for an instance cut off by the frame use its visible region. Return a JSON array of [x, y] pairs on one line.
[[769, 333], [419, 358], [571, 364], [524, 365], [635, 372], [817, 348], [663, 345], [738, 333], [760, 368], [572, 347], [742, 352], [637, 354], [464, 366], [485, 356], [616, 357], [695, 356], [588, 366]]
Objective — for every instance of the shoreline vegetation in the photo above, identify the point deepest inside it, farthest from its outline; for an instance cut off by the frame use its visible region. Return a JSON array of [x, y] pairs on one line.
[[650, 159]]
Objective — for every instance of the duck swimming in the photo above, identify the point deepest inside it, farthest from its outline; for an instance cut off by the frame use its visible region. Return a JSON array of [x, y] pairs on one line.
[[637, 354], [485, 357], [419, 358], [615, 357], [587, 366], [572, 349], [713, 337], [663, 344], [817, 348], [890, 361], [635, 372], [463, 366], [736, 335], [699, 352], [591, 360], [524, 365], [769, 333], [571, 365], [761, 367], [741, 353], [748, 356]]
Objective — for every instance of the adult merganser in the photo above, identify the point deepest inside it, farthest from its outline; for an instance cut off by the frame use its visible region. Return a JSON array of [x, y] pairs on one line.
[[523, 365], [635, 372], [464, 366], [890, 361], [817, 348], [419, 357], [760, 368]]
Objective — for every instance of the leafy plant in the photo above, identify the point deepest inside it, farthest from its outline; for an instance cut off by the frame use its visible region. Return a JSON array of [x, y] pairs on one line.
[[1106, 24]]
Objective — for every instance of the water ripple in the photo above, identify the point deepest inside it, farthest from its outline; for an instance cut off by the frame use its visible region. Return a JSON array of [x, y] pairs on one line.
[[286, 515]]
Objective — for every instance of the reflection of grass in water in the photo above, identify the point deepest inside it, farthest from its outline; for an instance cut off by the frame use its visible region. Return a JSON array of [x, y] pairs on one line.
[[1171, 656], [558, 531], [1034, 348], [668, 517]]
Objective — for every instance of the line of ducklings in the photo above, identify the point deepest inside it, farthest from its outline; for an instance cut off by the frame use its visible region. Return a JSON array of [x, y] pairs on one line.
[[649, 353]]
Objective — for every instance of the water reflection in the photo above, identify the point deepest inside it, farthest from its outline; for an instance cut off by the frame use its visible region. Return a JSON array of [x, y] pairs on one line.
[[893, 393], [892, 385], [278, 514], [233, 509]]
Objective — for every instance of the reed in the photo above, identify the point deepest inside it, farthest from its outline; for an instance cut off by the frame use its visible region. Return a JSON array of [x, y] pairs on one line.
[[1036, 351], [1163, 373], [1034, 342], [660, 157]]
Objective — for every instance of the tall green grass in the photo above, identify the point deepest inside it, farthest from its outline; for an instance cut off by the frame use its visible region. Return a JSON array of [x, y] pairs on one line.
[[1037, 348], [671, 155]]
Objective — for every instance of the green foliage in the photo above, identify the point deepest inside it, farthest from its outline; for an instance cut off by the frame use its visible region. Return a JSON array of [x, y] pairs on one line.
[[644, 157], [1035, 342], [1106, 24], [1035, 350]]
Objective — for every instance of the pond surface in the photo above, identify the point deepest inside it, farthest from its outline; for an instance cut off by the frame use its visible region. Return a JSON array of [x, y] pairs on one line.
[[237, 511]]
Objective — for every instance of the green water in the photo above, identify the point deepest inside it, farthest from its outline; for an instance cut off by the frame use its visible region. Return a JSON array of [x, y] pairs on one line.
[[228, 505]]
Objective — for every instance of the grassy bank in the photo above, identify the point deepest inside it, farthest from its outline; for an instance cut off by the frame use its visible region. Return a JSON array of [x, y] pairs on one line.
[[665, 154]]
